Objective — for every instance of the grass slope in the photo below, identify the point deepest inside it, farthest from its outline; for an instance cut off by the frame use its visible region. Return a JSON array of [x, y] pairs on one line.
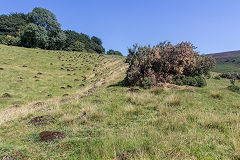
[[227, 61], [104, 120], [30, 75]]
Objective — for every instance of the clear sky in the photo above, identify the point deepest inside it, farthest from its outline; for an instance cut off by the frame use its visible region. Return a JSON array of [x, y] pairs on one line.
[[211, 25]]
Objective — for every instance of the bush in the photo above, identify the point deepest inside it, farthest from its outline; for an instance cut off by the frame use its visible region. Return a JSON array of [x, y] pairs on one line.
[[230, 75], [3, 39], [76, 46], [217, 77], [167, 63], [197, 81], [9, 40], [112, 52], [234, 88]]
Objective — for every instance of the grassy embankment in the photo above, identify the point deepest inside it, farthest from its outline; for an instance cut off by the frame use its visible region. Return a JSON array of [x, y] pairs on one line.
[[106, 120]]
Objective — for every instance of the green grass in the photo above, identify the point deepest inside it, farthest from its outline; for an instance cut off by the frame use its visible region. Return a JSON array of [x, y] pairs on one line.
[[180, 123], [226, 67], [20, 82]]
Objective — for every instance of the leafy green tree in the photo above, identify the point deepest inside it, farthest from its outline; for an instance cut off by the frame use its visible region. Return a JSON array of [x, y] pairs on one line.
[[76, 46], [45, 18], [56, 40], [96, 40], [112, 52], [12, 24], [34, 36]]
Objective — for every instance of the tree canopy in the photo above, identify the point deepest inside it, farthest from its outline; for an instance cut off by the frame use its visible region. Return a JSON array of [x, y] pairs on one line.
[[112, 52], [40, 28]]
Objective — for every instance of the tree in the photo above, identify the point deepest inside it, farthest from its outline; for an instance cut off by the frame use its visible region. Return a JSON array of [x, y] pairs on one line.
[[96, 40], [12, 24], [56, 40], [45, 18], [76, 46], [112, 52], [34, 36]]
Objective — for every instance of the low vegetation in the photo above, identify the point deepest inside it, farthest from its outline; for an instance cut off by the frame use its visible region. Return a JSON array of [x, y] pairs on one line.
[[227, 62], [91, 116]]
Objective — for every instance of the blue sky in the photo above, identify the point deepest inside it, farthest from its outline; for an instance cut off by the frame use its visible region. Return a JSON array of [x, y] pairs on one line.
[[211, 25]]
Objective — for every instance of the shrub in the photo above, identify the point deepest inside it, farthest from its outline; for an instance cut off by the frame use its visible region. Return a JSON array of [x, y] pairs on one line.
[[112, 52], [76, 46], [197, 81], [3, 39], [234, 88], [217, 77], [230, 75], [166, 63], [9, 40]]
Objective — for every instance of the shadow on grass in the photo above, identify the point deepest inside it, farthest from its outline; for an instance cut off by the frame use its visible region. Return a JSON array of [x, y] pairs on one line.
[[119, 84]]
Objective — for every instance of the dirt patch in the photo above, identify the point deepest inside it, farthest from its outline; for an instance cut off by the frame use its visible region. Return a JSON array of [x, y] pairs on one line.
[[124, 156], [81, 85], [39, 104], [42, 120], [92, 90], [64, 100], [47, 136], [97, 102], [68, 86], [39, 73], [6, 95], [65, 95], [16, 156]]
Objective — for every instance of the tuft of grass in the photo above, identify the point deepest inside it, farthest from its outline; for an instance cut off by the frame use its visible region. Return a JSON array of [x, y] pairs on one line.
[[173, 101], [216, 96]]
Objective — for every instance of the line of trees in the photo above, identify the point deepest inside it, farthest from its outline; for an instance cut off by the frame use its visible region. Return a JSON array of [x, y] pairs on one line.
[[40, 29]]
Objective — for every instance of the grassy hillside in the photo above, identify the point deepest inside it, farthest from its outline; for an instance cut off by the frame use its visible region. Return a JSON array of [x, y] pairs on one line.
[[104, 120], [227, 61], [30, 75]]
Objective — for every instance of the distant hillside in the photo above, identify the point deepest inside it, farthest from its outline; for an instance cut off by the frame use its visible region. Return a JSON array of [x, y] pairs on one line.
[[227, 61]]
